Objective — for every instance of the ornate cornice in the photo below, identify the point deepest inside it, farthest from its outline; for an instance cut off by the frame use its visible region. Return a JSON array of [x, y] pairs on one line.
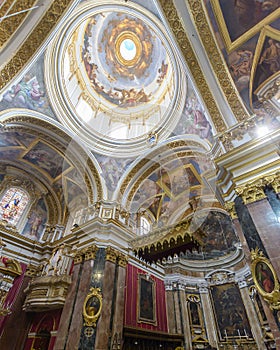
[[216, 60], [34, 41], [176, 25], [254, 191]]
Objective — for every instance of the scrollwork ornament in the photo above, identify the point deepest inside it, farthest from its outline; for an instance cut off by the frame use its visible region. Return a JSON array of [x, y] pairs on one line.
[[265, 279], [92, 307]]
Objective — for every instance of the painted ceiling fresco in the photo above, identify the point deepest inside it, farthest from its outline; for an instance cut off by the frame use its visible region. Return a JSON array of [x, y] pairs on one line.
[[41, 160], [168, 189], [126, 77], [248, 32], [29, 92]]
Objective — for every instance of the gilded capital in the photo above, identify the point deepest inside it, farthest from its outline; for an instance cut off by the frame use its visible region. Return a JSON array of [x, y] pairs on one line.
[[230, 207], [90, 252], [122, 260], [251, 193], [111, 255], [32, 270], [78, 258]]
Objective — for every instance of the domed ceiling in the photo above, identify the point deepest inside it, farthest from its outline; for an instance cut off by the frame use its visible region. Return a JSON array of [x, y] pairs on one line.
[[119, 76]]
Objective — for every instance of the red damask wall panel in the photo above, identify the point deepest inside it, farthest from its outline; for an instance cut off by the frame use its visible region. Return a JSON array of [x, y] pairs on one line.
[[132, 302]]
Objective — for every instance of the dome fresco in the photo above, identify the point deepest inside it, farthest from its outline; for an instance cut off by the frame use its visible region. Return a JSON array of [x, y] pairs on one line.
[[120, 76], [125, 61]]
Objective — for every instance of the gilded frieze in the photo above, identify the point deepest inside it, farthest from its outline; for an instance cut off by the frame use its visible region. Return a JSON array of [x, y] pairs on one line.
[[187, 50], [111, 254], [34, 41], [12, 17]]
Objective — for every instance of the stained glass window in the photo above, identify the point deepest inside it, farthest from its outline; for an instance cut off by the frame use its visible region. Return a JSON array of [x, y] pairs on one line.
[[13, 204]]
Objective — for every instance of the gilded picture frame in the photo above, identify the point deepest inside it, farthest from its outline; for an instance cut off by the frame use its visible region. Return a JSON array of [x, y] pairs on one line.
[[146, 300], [92, 307], [265, 279]]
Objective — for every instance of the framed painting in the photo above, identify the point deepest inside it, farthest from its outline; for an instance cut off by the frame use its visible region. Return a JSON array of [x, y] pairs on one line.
[[230, 312], [265, 279], [146, 300]]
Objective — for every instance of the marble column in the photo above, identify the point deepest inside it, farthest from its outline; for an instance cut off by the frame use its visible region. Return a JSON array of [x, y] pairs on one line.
[[77, 321], [177, 312], [185, 319], [208, 316], [252, 315], [65, 320], [118, 313], [17, 324], [103, 331], [230, 207], [268, 228], [170, 307]]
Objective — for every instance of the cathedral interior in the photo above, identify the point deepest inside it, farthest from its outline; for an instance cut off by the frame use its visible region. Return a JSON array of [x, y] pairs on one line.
[[139, 164]]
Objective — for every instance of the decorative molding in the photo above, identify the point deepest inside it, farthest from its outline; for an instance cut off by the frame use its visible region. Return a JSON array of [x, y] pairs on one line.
[[90, 252], [10, 22], [78, 258], [230, 208], [252, 192], [122, 260], [32, 270], [180, 34], [34, 41]]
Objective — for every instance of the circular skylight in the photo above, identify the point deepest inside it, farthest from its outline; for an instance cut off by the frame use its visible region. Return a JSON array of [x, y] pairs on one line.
[[128, 49]]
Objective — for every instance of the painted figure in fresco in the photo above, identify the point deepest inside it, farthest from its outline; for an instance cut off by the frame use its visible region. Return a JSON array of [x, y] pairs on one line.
[[242, 64], [251, 12], [35, 222], [271, 56], [265, 278], [26, 94]]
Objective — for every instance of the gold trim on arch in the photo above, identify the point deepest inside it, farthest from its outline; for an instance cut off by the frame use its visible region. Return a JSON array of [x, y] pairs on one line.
[[34, 41], [184, 44]]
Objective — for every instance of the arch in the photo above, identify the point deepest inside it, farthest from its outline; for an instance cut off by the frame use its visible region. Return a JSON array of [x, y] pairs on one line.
[[155, 176], [57, 142]]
